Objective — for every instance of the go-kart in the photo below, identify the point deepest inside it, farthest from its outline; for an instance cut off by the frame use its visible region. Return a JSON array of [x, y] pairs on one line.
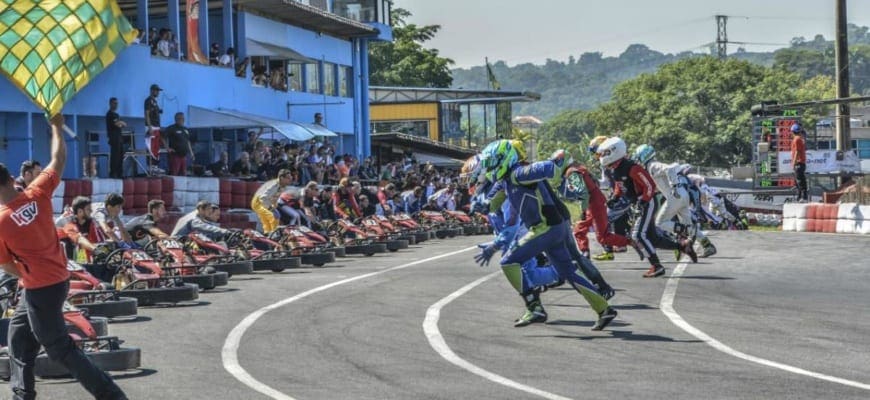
[[410, 226], [435, 221], [134, 273], [265, 254], [322, 240], [201, 250], [354, 238], [169, 254], [88, 293], [104, 351], [308, 245], [463, 221], [394, 229], [390, 239]]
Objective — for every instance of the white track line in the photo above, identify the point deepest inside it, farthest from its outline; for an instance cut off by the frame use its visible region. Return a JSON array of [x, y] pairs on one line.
[[229, 353], [430, 327], [667, 307]]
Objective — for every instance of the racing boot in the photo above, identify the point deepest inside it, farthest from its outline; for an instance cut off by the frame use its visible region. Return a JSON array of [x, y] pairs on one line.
[[534, 310], [606, 291], [688, 248], [656, 268], [604, 319], [709, 249], [604, 256]]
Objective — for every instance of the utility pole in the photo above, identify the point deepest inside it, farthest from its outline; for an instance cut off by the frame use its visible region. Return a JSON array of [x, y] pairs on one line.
[[722, 36], [842, 54]]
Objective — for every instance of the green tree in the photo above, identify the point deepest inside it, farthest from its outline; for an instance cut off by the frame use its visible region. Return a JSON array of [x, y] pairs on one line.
[[404, 61], [569, 130], [697, 110]]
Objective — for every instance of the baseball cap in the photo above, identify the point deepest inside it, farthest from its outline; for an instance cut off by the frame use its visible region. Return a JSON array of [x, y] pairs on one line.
[[155, 87]]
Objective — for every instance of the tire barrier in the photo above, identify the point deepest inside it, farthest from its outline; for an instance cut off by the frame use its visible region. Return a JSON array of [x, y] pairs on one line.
[[826, 218]]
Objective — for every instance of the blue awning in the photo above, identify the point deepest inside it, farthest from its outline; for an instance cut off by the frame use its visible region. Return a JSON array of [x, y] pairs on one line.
[[199, 117], [319, 130]]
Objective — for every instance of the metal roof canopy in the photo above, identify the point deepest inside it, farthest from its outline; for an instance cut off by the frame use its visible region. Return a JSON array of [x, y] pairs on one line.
[[387, 95], [308, 17], [199, 117], [422, 144], [437, 160], [256, 48]]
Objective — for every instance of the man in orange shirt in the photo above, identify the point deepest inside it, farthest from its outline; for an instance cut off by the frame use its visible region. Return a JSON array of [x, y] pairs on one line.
[[30, 250], [799, 161]]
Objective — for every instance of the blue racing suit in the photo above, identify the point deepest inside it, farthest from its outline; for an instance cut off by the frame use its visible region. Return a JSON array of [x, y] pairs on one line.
[[508, 229], [547, 222]]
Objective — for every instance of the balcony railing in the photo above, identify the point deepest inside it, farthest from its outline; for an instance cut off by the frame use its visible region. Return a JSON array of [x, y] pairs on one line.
[[364, 10]]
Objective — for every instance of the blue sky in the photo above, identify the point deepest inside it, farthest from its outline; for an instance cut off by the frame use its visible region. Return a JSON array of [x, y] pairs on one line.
[[532, 31]]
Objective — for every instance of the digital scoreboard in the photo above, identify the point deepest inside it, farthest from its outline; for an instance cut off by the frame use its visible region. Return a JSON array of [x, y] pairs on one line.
[[771, 134]]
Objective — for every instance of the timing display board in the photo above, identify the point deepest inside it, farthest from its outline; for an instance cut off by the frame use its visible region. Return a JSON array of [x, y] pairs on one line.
[[771, 134]]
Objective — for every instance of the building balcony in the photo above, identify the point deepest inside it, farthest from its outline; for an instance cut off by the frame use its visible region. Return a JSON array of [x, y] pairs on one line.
[[368, 11]]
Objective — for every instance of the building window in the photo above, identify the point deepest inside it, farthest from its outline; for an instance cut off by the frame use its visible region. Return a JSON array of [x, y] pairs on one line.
[[294, 77], [344, 80], [329, 79], [414, 128], [451, 124], [312, 78]]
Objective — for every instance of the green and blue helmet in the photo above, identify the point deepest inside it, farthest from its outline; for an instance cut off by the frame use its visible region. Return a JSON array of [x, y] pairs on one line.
[[644, 154], [498, 157]]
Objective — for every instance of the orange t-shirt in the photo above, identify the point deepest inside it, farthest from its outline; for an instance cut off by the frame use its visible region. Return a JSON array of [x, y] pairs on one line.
[[28, 235], [798, 150]]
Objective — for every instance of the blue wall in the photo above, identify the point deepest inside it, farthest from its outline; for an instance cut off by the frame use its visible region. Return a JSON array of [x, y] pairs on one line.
[[186, 84]]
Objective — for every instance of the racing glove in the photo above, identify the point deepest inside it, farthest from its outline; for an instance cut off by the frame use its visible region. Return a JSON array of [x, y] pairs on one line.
[[487, 251]]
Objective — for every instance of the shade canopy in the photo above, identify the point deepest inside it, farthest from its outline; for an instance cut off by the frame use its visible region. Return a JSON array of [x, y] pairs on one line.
[[200, 117]]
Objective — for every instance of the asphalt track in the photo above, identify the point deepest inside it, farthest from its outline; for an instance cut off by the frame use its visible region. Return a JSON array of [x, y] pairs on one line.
[[790, 307]]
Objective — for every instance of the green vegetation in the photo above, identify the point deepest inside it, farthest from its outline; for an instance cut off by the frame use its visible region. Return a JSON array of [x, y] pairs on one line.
[[404, 61]]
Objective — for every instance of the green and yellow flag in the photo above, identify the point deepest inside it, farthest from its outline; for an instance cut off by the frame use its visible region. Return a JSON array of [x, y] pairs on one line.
[[52, 49], [493, 83]]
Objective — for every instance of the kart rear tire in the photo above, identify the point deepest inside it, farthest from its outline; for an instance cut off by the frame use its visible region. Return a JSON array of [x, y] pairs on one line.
[[318, 259], [444, 233], [338, 251], [115, 360], [276, 264], [421, 236], [411, 238], [204, 281], [234, 268], [469, 230], [148, 297], [366, 249], [123, 307], [395, 245]]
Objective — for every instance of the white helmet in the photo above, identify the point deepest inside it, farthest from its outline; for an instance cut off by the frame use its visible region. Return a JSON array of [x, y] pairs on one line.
[[611, 151]]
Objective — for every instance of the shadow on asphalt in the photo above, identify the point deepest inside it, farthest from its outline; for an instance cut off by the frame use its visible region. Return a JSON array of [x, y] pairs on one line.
[[727, 258], [180, 305], [220, 290], [133, 373], [138, 318], [246, 278], [616, 306], [710, 278], [623, 335]]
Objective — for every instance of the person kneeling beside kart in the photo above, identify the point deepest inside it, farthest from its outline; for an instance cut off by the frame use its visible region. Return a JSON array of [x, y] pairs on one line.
[[143, 229]]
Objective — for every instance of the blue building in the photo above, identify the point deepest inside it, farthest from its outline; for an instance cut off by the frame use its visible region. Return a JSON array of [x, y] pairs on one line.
[[319, 47]]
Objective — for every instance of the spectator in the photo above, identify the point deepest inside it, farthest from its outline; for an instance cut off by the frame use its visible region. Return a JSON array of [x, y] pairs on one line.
[[303, 167], [413, 200], [385, 196], [229, 58], [113, 131], [29, 170], [367, 208], [367, 172], [242, 67], [310, 200], [152, 124], [164, 46], [326, 211], [214, 54], [277, 80], [318, 119], [108, 220], [179, 146], [242, 167], [799, 161], [315, 165], [221, 167]]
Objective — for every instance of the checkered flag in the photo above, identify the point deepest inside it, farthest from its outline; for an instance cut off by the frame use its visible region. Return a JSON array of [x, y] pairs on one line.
[[52, 49]]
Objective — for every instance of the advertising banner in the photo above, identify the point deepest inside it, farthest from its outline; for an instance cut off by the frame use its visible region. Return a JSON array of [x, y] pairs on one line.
[[194, 50], [821, 162]]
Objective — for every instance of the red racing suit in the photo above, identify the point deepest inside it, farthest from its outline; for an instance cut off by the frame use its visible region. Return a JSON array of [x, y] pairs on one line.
[[595, 215]]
